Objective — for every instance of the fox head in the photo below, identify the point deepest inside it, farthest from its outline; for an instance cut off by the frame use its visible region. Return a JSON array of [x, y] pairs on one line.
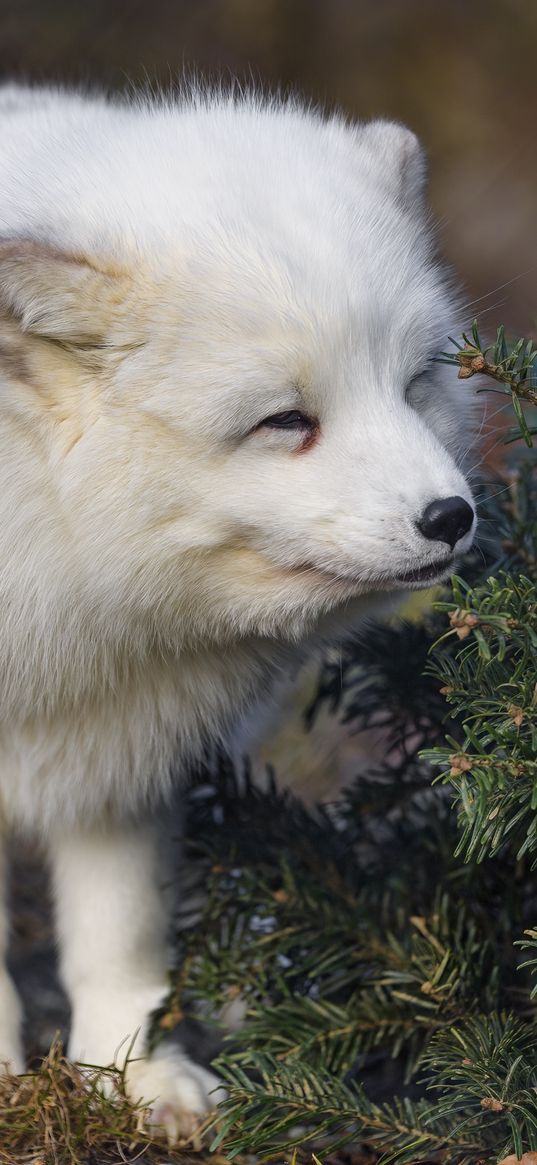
[[227, 360]]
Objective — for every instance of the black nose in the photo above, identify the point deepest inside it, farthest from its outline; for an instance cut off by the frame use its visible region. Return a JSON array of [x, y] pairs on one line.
[[446, 520]]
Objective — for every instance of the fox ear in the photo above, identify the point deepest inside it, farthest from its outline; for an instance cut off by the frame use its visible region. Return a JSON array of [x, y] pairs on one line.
[[58, 295], [399, 158]]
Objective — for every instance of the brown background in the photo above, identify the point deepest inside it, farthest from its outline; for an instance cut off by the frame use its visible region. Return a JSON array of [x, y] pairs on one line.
[[462, 73]]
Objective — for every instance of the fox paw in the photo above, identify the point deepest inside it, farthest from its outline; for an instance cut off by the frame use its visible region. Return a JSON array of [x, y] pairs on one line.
[[177, 1093]]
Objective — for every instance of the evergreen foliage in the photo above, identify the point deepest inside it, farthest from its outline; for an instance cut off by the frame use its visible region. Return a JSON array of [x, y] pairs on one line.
[[377, 942]]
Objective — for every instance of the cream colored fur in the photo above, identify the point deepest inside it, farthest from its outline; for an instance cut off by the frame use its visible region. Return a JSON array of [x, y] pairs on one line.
[[171, 275]]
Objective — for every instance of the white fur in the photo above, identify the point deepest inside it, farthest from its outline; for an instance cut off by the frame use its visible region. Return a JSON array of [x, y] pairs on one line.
[[172, 273]]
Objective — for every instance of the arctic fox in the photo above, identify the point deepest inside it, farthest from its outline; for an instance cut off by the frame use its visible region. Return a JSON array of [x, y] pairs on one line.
[[222, 433]]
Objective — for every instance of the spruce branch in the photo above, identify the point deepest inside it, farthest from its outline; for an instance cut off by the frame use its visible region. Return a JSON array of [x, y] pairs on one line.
[[277, 1106], [489, 1063], [529, 943], [512, 366], [491, 685]]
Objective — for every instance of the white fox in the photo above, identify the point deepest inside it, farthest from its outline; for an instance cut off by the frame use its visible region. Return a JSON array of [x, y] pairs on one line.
[[222, 433]]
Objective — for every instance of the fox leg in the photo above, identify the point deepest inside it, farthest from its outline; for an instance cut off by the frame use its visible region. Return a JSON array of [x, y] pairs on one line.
[[112, 928], [11, 1053]]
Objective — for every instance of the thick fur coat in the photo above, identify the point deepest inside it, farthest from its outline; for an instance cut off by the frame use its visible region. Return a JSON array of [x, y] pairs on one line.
[[220, 427]]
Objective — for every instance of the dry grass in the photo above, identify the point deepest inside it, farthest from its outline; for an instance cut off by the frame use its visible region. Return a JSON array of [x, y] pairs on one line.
[[59, 1115]]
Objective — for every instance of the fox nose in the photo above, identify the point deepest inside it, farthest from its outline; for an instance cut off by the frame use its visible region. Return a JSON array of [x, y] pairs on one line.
[[446, 520]]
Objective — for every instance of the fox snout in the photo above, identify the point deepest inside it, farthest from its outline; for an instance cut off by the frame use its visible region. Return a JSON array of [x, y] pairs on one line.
[[446, 520]]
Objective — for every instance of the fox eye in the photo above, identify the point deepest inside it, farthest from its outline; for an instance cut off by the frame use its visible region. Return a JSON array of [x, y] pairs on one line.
[[420, 381], [292, 419]]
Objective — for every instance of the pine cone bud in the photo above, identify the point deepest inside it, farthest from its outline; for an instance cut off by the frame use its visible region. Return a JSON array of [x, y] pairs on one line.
[[460, 763], [491, 1104], [516, 714]]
